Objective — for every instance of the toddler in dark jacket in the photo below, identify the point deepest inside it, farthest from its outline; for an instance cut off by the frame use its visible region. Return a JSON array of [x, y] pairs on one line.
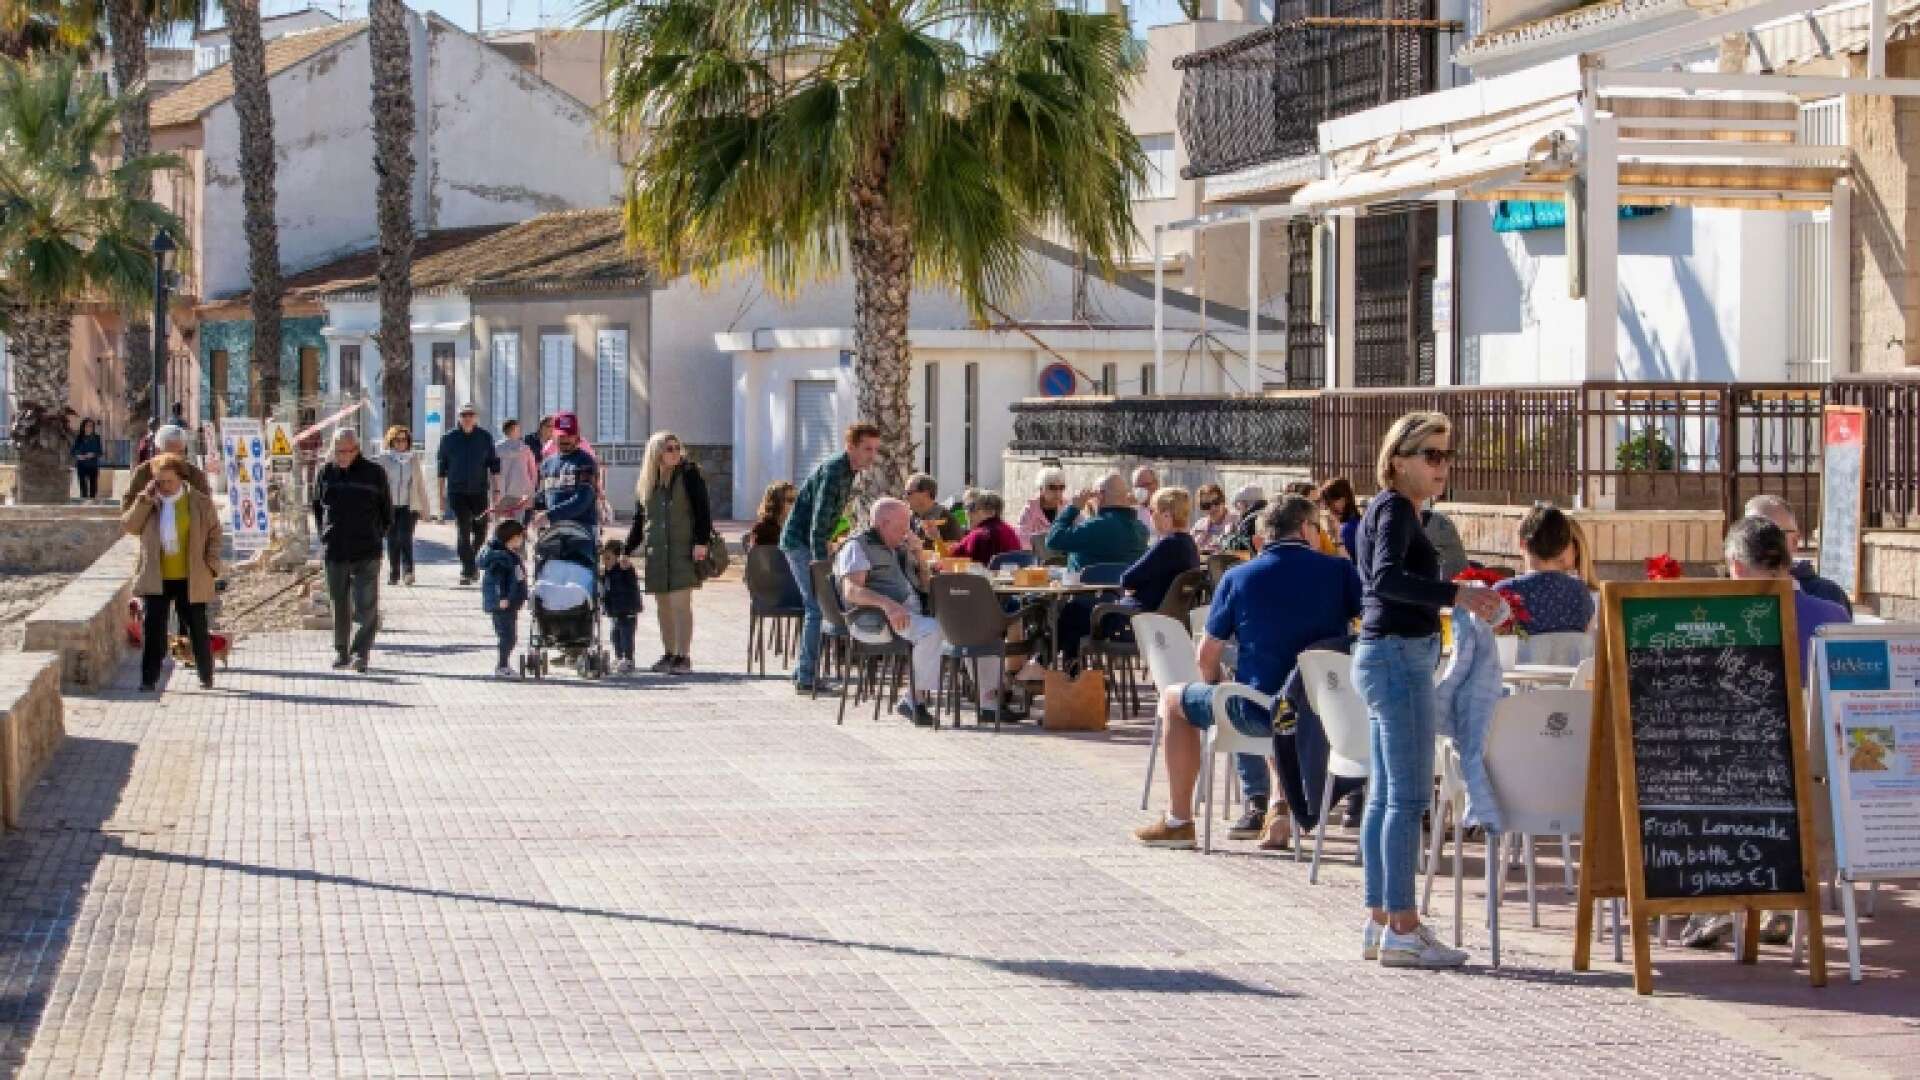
[[503, 587], [620, 600]]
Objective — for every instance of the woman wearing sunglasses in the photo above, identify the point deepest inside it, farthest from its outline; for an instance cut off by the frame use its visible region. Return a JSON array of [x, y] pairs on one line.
[[1402, 593], [1049, 496], [1214, 521]]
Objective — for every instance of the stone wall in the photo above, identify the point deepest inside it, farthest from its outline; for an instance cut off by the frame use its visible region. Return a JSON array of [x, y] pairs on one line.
[[60, 539], [1883, 133], [31, 727], [1890, 574], [85, 623], [1621, 540]]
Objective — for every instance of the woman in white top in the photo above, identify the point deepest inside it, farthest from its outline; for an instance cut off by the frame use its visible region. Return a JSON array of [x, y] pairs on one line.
[[407, 482]]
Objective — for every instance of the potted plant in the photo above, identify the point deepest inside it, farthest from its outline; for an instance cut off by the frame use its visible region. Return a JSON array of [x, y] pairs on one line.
[[1508, 632]]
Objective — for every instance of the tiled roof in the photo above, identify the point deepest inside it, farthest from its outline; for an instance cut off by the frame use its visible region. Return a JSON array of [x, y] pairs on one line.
[[570, 249], [191, 101]]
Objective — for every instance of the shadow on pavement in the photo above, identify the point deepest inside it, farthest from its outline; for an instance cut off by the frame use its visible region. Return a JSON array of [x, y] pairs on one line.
[[45, 870], [1093, 976]]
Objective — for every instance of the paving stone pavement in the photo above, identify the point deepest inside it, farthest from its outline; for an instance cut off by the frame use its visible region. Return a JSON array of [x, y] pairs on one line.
[[425, 872]]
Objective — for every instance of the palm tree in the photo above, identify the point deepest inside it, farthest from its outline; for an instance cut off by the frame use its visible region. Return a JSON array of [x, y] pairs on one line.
[[253, 106], [71, 229], [921, 139], [393, 201]]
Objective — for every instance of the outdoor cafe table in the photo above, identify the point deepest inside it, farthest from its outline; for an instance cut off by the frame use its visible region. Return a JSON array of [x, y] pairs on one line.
[[1052, 594]]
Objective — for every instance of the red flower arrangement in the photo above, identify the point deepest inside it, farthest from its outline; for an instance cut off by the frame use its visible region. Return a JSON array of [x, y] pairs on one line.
[[1518, 619], [1662, 567]]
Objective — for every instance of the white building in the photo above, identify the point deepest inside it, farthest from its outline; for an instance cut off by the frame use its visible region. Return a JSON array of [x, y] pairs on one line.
[[214, 47]]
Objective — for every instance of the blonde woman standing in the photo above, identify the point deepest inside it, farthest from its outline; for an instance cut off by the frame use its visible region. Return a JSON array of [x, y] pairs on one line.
[[672, 523], [407, 481]]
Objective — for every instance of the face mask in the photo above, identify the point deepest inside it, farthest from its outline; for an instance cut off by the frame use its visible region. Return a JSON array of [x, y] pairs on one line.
[[1141, 495]]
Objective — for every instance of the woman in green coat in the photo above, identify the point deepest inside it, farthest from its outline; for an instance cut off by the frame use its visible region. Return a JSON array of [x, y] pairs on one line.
[[672, 523]]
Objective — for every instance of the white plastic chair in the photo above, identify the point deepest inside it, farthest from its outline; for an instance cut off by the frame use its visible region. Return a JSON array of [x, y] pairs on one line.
[[1328, 677], [1565, 648], [1536, 759], [1224, 738], [1168, 651], [1582, 676]]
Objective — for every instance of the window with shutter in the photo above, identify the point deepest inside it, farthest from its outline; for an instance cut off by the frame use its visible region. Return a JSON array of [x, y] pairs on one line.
[[506, 377], [610, 359], [556, 373], [813, 416]]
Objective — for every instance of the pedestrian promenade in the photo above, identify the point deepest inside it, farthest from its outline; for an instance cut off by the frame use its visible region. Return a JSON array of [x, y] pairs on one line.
[[423, 871]]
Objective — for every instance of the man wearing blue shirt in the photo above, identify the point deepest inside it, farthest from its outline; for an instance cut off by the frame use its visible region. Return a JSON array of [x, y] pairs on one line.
[[569, 480], [1275, 606]]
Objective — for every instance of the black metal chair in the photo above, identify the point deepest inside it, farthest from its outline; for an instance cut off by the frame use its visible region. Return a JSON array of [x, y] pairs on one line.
[[870, 657], [1013, 560], [973, 628], [776, 606], [1121, 655], [834, 634]]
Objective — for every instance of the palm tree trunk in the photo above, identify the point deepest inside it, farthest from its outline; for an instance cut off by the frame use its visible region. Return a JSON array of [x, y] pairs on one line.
[[254, 107], [393, 198], [40, 336], [881, 245], [128, 24]]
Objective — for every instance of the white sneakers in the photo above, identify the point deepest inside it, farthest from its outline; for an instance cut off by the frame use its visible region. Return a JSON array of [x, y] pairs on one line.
[[1370, 939], [1419, 949]]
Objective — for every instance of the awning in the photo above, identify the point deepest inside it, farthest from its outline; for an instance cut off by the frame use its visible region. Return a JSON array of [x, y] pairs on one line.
[[1431, 169]]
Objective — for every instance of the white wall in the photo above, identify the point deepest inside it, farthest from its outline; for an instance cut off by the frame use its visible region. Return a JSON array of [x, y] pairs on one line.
[[356, 322], [1703, 296], [492, 144]]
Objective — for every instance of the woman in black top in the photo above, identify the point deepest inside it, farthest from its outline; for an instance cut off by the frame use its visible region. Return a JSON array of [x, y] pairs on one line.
[[1393, 664], [86, 459]]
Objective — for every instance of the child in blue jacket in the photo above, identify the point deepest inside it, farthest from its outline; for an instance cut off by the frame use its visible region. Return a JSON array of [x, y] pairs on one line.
[[503, 587]]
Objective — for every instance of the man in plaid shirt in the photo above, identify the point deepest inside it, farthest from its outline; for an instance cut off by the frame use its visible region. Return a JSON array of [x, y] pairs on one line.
[[817, 509]]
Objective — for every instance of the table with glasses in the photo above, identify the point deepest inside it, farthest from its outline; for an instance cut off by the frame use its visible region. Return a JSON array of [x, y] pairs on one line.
[[1052, 594]]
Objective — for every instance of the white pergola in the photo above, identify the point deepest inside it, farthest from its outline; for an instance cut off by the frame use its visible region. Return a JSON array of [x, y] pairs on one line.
[[1601, 130], [1252, 216]]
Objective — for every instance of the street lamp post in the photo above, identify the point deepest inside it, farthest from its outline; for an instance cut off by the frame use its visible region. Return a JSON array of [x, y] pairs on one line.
[[163, 246]]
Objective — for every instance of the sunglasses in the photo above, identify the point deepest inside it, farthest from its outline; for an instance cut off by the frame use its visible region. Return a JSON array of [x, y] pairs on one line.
[[1056, 487], [1432, 455], [1215, 505]]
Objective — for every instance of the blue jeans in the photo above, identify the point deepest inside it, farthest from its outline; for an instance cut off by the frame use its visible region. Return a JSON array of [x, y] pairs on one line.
[[506, 628], [623, 628], [1395, 677], [801, 563], [1196, 703]]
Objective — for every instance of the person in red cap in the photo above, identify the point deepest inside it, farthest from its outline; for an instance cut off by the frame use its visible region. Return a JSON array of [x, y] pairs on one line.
[[569, 479]]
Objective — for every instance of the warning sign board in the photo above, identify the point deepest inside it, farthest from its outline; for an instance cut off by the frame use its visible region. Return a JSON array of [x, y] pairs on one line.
[[279, 442]]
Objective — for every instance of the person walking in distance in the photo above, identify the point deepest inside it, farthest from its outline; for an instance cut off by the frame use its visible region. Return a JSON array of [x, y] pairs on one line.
[[538, 438], [179, 531], [816, 513], [469, 483], [519, 474], [354, 511], [407, 483], [87, 450], [672, 523]]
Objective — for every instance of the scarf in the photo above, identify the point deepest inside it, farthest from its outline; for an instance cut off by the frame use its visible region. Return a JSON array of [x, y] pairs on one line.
[[169, 524]]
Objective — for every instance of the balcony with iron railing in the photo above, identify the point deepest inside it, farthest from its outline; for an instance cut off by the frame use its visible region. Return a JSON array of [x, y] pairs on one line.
[[1259, 99]]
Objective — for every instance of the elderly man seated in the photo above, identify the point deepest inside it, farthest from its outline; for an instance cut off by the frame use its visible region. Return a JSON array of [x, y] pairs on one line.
[[882, 568], [1280, 603]]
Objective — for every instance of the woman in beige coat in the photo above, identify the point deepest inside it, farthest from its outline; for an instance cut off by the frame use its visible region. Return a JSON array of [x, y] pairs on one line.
[[179, 531]]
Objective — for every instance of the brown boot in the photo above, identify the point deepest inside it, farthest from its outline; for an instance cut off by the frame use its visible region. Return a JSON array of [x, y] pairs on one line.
[[1277, 834]]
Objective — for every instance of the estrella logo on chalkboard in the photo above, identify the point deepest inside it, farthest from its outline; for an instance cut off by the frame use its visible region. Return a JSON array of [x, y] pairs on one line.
[[1858, 665]]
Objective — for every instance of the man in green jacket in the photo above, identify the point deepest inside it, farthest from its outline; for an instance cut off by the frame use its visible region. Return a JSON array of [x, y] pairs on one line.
[[1110, 532], [817, 507]]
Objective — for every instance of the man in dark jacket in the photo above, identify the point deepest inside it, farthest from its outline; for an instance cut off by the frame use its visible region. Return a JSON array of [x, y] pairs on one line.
[[1776, 510], [353, 510], [469, 484]]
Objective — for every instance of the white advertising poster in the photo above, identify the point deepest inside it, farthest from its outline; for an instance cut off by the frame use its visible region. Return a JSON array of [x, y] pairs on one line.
[[436, 424], [243, 448], [1870, 719]]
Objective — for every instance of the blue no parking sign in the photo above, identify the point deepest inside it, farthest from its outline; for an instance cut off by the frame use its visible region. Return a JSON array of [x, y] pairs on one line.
[[1057, 380]]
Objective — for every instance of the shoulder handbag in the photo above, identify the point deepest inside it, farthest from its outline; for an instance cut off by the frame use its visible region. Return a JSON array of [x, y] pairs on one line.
[[715, 563]]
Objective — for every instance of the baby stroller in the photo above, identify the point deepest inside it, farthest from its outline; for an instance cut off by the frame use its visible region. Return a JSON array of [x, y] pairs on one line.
[[566, 604]]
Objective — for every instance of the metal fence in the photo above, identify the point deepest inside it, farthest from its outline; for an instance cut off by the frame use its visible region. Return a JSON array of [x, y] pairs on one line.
[[1275, 429], [1628, 446], [1892, 496]]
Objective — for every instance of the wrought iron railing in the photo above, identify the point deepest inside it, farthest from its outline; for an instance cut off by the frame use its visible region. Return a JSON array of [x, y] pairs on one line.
[[1262, 97], [1275, 429], [1892, 482]]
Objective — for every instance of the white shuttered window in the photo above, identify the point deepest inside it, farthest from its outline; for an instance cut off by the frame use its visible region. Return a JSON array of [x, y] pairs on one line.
[[813, 417], [556, 373], [506, 378], [610, 358]]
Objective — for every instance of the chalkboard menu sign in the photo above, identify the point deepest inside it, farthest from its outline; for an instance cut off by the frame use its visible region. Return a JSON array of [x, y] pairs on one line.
[[1697, 787], [1707, 694]]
